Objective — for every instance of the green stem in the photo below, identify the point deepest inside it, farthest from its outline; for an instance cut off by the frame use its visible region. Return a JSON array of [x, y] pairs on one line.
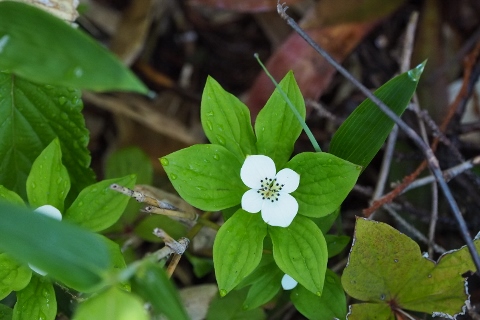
[[292, 107]]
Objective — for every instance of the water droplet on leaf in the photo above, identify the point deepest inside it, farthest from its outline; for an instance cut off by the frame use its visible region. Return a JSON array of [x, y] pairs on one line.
[[173, 177], [209, 125], [223, 293], [216, 157], [416, 72], [164, 161], [221, 140], [210, 113], [62, 100]]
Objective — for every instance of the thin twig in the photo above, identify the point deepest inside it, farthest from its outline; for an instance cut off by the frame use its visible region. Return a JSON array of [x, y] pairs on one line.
[[154, 205], [392, 138], [447, 174], [428, 153]]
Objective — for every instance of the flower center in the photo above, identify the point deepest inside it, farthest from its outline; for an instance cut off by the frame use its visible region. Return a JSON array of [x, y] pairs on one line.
[[270, 189]]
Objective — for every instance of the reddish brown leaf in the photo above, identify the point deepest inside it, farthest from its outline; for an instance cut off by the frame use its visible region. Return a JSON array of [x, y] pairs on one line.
[[312, 72]]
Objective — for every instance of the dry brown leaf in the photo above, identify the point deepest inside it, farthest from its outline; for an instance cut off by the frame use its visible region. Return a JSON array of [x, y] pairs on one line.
[[196, 300], [312, 72], [129, 38]]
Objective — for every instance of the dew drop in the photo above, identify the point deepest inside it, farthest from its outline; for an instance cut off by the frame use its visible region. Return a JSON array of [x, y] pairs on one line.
[[64, 116], [382, 297], [59, 180], [209, 125], [245, 307], [318, 293], [210, 113], [216, 157], [220, 127], [416, 72], [62, 100], [200, 188], [173, 177], [80, 204], [223, 293], [396, 260], [221, 140], [429, 275], [33, 185], [78, 72], [164, 161]]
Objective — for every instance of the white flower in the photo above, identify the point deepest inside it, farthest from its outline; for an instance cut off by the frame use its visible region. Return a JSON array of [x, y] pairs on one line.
[[288, 283], [52, 212], [269, 190]]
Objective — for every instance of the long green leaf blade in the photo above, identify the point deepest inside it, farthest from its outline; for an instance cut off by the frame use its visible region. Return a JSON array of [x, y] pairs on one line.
[[67, 253], [363, 133], [44, 49]]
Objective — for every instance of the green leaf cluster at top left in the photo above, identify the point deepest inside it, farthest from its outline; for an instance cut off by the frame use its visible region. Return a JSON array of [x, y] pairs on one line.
[[215, 177]]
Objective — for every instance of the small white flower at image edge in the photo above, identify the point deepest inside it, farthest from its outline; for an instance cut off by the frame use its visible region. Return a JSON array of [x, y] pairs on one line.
[[269, 191], [288, 283], [51, 212]]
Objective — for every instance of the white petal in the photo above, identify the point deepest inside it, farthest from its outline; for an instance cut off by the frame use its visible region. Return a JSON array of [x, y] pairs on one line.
[[289, 178], [49, 211], [252, 201], [280, 213], [255, 168], [288, 283]]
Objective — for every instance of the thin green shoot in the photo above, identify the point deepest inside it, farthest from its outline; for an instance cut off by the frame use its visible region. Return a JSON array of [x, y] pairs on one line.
[[292, 107]]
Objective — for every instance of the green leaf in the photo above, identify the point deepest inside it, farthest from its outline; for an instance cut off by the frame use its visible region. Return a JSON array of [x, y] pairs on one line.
[[336, 244], [45, 49], [97, 207], [13, 275], [201, 266], [32, 116], [226, 120], [325, 223], [112, 304], [6, 313], [173, 228], [152, 284], [71, 255], [370, 311], [36, 301], [231, 308], [387, 267], [325, 181], [131, 160], [10, 196], [206, 176], [48, 181], [276, 126], [265, 284], [237, 249], [331, 305], [363, 133], [300, 251]]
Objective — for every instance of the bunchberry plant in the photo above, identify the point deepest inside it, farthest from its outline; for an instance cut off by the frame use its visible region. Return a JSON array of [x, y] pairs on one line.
[[254, 172]]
